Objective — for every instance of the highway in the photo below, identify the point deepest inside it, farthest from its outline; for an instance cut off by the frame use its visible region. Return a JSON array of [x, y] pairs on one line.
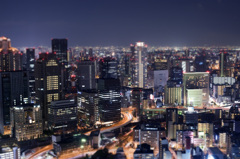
[[127, 117]]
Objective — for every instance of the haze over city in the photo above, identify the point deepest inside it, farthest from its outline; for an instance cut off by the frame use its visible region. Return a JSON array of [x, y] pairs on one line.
[[120, 22]]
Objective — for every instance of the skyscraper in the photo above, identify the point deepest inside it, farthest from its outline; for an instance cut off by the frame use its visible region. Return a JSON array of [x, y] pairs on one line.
[[108, 68], [109, 99], [139, 65], [30, 67], [47, 81], [86, 75], [59, 46], [10, 57], [223, 64], [13, 91]]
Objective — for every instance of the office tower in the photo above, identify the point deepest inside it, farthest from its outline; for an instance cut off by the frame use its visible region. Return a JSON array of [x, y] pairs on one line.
[[30, 67], [60, 47], [86, 75], [223, 56], [136, 99], [200, 63], [26, 121], [149, 133], [90, 52], [139, 65], [173, 95], [127, 65], [160, 64], [109, 99], [196, 84], [176, 75], [108, 68], [88, 100], [10, 57], [13, 91], [62, 116], [47, 81], [184, 63]]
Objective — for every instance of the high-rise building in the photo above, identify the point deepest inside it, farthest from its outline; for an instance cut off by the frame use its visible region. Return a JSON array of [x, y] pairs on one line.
[[223, 56], [136, 99], [62, 116], [150, 134], [60, 47], [30, 67], [26, 121], [88, 100], [86, 75], [139, 65], [176, 75], [47, 81], [10, 57], [173, 95], [200, 63], [108, 68], [13, 91], [193, 81], [109, 99]]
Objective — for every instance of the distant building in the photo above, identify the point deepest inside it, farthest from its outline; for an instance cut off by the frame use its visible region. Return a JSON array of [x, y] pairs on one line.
[[26, 121], [62, 116], [10, 58], [139, 65], [60, 47]]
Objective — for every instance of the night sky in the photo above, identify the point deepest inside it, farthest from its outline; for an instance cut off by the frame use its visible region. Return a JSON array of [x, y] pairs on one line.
[[121, 22]]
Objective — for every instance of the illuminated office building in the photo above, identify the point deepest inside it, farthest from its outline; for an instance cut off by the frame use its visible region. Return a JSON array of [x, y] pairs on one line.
[[26, 121], [109, 99], [149, 134], [86, 73], [47, 81], [60, 47], [223, 56], [14, 91], [194, 81], [88, 100], [62, 116], [108, 68], [30, 67], [10, 57], [139, 65], [173, 95]]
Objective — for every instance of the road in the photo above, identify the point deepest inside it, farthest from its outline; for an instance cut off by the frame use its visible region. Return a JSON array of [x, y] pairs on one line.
[[127, 117], [41, 151]]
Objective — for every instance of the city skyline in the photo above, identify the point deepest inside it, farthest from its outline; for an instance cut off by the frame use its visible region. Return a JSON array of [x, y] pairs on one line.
[[106, 23]]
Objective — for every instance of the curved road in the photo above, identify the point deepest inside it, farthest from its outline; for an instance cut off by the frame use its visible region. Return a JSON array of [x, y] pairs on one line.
[[127, 117]]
